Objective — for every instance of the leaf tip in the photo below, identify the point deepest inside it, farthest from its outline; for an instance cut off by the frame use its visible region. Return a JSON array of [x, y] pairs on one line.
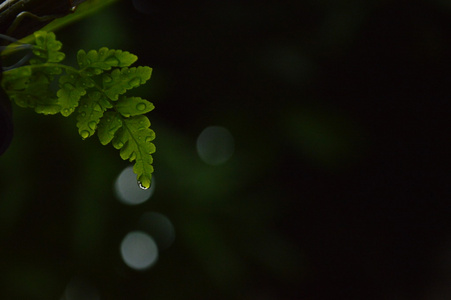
[[144, 182]]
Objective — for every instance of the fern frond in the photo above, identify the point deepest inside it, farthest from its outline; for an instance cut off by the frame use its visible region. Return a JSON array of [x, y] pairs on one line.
[[90, 111], [69, 94], [95, 62], [134, 139], [108, 126], [121, 80], [47, 48], [31, 90], [95, 90], [133, 106]]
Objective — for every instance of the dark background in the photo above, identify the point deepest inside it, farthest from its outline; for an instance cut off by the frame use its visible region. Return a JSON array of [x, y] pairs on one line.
[[338, 187]]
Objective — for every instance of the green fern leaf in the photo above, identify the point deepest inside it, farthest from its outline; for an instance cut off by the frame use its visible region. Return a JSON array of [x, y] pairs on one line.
[[95, 62], [40, 96], [134, 139], [95, 90], [31, 90], [17, 79], [124, 79], [69, 94], [133, 106], [47, 48], [90, 110], [108, 126]]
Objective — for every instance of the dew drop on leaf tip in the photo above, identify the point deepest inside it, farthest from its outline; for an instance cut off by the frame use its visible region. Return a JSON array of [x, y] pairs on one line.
[[142, 186], [144, 182]]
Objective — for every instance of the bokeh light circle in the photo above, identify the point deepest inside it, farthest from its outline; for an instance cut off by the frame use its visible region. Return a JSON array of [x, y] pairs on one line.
[[215, 145], [138, 250], [127, 188], [160, 228]]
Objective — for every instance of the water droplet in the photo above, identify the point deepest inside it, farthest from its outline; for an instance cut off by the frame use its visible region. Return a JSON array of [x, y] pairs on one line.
[[97, 107], [134, 82], [142, 186], [84, 134], [92, 125], [144, 182], [112, 61], [141, 106], [120, 145], [66, 112]]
